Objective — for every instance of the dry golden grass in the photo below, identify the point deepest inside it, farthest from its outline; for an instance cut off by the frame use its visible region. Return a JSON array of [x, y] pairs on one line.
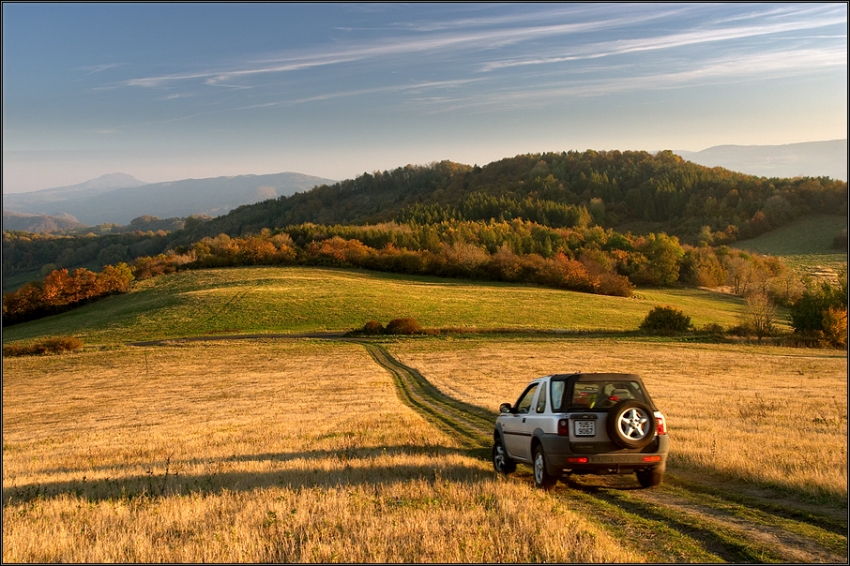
[[764, 414], [252, 452]]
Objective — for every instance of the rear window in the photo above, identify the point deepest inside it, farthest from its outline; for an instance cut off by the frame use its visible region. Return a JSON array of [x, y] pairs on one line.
[[600, 395]]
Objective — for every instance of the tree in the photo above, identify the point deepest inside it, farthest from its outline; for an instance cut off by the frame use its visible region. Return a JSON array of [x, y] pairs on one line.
[[821, 312], [664, 255], [759, 315]]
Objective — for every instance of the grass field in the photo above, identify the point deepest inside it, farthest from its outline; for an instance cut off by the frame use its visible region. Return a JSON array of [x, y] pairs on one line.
[[805, 244], [300, 300], [305, 453], [307, 450], [301, 450]]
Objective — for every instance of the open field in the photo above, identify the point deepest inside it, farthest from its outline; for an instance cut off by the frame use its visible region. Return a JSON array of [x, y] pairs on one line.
[[299, 300], [805, 245], [303, 454], [304, 450]]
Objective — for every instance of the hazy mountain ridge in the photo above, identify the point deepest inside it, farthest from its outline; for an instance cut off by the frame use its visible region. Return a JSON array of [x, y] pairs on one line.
[[807, 159], [39, 222], [95, 202]]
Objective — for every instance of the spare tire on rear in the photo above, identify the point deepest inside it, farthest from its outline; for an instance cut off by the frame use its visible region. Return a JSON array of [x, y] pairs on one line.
[[630, 424]]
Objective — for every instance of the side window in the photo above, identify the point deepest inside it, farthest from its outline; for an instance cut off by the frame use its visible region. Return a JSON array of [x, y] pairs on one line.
[[541, 401], [524, 403], [557, 394]]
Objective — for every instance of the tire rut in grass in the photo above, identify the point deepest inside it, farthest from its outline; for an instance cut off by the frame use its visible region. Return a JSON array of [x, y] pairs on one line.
[[469, 425], [768, 535]]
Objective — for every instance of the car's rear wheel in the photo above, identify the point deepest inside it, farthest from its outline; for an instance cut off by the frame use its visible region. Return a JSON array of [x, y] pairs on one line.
[[542, 478], [650, 478], [630, 424], [502, 463]]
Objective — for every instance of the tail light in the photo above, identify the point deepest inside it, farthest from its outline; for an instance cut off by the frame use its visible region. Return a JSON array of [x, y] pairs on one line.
[[563, 427], [578, 460], [660, 424]]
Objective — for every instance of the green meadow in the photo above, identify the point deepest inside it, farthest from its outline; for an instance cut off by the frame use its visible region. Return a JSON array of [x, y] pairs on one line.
[[804, 244], [294, 300]]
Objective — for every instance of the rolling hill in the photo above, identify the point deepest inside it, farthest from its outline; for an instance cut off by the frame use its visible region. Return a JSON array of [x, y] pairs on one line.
[[631, 190], [810, 159], [292, 300], [39, 222], [117, 199]]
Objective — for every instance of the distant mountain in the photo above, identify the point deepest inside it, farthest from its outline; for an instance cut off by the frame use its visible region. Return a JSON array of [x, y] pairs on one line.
[[809, 159], [100, 201], [37, 202], [39, 222]]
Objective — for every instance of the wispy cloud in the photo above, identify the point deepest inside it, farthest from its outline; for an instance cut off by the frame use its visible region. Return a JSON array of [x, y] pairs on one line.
[[735, 68], [94, 69], [395, 47], [489, 59], [620, 47], [412, 88]]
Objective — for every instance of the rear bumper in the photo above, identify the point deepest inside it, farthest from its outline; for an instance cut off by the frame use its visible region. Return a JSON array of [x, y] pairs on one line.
[[558, 456]]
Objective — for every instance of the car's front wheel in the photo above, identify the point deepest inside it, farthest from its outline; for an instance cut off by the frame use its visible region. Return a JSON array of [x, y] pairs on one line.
[[502, 463], [649, 478], [542, 478]]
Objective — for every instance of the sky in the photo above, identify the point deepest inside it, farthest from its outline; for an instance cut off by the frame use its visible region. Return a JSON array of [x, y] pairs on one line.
[[167, 91]]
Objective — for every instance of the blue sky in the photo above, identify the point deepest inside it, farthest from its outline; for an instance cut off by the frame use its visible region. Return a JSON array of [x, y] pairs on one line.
[[171, 91]]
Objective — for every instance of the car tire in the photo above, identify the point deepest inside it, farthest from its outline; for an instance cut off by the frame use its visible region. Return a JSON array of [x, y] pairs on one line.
[[650, 478], [502, 463], [542, 478], [630, 424]]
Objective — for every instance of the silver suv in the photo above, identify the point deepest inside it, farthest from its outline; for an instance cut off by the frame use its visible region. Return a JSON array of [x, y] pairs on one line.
[[582, 423]]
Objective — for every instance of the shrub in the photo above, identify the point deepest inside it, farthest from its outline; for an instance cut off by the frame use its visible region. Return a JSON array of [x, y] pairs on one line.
[[404, 326], [666, 320], [822, 313], [835, 327], [714, 329], [55, 345], [373, 327]]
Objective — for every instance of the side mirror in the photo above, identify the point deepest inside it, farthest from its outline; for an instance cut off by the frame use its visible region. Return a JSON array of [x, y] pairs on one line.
[[505, 408]]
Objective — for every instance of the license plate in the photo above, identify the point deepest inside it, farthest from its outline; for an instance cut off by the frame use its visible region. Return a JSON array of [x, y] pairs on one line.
[[585, 428]]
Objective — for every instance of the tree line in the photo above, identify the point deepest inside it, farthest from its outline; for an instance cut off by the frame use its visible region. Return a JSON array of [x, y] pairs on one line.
[[60, 291], [612, 190], [588, 259]]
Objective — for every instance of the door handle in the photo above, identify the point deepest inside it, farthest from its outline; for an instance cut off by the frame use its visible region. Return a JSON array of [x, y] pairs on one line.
[[523, 419]]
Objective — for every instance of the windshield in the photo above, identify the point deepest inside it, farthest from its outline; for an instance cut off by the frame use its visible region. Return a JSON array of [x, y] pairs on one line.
[[604, 394]]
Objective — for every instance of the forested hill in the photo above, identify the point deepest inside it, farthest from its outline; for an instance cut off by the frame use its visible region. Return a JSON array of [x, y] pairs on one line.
[[632, 190]]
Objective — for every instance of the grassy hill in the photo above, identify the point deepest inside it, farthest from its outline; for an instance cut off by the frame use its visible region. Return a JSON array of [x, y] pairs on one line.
[[804, 244], [553, 189], [301, 300]]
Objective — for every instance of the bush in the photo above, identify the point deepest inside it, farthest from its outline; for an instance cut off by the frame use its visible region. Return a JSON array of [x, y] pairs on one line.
[[666, 320], [714, 329], [373, 327], [56, 345], [835, 327], [404, 326]]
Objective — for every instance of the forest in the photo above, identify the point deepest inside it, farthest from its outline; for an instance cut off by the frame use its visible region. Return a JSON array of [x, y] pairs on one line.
[[630, 191], [595, 222]]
